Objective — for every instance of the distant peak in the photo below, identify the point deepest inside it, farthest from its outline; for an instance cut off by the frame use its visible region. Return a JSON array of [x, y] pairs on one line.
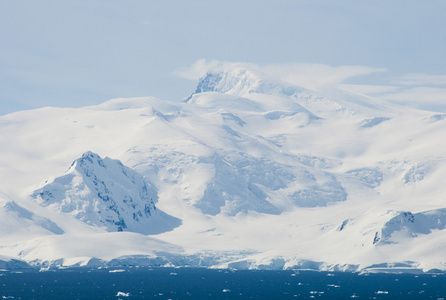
[[237, 81], [242, 81]]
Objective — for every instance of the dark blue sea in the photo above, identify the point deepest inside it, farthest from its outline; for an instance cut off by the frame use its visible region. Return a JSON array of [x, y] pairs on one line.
[[191, 283]]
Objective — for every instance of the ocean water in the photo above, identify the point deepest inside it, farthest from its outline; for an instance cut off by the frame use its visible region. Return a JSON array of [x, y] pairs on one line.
[[192, 283]]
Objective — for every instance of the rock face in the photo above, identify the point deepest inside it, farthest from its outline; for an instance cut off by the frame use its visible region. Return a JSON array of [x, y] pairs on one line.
[[105, 193]]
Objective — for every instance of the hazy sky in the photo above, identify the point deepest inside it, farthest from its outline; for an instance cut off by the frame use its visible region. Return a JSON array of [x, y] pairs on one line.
[[76, 53]]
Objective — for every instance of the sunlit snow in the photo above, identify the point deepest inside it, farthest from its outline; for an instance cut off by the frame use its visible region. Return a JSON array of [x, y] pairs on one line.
[[247, 172]]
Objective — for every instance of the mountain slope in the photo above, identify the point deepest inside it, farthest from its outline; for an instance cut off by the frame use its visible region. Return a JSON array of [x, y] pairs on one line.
[[260, 173], [18, 222]]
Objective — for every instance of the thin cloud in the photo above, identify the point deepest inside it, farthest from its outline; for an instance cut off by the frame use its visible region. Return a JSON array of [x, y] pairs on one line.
[[311, 76], [367, 89], [420, 79], [422, 97], [416, 90], [197, 69], [418, 96], [315, 76]]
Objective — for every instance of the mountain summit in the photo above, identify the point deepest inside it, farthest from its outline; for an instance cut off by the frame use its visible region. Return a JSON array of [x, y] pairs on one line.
[[105, 193], [241, 81]]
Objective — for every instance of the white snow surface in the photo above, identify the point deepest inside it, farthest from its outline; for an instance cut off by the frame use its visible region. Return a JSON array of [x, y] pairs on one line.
[[247, 172]]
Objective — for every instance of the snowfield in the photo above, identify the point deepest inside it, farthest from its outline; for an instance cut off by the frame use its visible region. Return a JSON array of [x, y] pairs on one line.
[[247, 172]]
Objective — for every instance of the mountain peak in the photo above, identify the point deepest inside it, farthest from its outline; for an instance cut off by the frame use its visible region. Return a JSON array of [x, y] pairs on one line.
[[240, 81], [105, 193], [87, 163]]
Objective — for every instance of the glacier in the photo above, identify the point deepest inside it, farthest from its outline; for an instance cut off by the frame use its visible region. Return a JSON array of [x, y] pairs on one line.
[[246, 172]]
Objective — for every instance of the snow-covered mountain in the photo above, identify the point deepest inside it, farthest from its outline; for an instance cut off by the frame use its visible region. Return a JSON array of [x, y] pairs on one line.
[[246, 172], [104, 192]]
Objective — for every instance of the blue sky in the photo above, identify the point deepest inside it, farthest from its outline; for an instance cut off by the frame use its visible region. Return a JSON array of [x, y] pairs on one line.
[[76, 53]]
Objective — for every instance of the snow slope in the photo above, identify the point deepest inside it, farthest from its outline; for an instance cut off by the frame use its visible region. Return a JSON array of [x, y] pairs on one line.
[[24, 222], [247, 172]]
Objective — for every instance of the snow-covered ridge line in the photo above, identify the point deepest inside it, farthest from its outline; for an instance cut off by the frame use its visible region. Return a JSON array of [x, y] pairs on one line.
[[240, 82]]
